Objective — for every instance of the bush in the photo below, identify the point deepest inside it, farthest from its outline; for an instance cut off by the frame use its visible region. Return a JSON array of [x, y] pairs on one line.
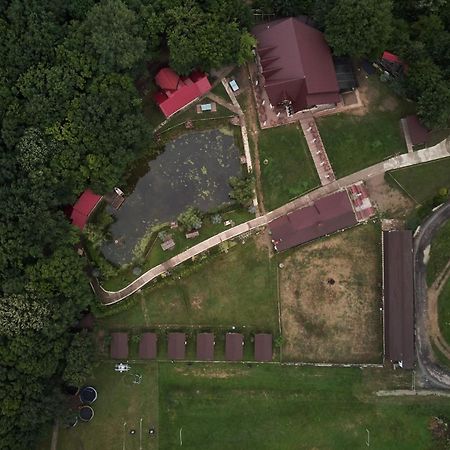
[[190, 219]]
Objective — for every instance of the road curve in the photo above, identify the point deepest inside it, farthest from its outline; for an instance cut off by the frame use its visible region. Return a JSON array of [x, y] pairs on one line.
[[434, 374]]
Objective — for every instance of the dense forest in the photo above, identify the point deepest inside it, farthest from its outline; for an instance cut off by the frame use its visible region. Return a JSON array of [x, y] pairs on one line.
[[71, 117]]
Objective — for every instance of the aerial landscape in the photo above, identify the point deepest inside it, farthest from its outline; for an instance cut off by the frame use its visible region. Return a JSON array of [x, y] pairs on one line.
[[225, 224]]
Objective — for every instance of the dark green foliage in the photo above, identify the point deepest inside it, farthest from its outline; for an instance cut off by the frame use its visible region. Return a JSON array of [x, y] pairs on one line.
[[190, 219], [243, 189], [79, 359], [434, 105], [359, 27]]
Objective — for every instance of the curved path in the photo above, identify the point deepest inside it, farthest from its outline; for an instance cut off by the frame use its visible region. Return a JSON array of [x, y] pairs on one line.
[[434, 374], [439, 151]]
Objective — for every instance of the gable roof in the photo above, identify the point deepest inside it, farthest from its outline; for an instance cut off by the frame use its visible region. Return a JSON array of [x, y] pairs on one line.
[[83, 207], [205, 346], [147, 346], [177, 92], [327, 215], [418, 133], [234, 348], [119, 345], [297, 63], [263, 347], [176, 346], [398, 280]]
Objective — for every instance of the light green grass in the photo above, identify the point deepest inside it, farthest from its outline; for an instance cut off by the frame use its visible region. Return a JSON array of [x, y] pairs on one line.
[[233, 289], [422, 182], [354, 142], [119, 402], [439, 254], [444, 312], [287, 169], [271, 407]]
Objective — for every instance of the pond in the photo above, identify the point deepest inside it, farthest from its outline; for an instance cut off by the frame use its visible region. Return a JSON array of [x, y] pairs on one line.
[[194, 169]]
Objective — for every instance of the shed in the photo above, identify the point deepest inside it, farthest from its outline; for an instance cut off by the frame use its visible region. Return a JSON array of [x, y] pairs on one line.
[[234, 347], [192, 234], [418, 133], [119, 345], [398, 290], [176, 346], [263, 347], [147, 346], [168, 245], [205, 346], [84, 207]]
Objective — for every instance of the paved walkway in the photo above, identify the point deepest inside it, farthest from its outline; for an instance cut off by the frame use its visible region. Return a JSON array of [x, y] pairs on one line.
[[405, 130], [223, 102], [441, 150], [317, 150]]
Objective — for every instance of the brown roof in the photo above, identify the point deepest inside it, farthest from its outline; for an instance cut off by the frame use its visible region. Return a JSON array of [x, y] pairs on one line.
[[234, 347], [119, 345], [327, 215], [177, 346], [297, 63], [205, 346], [147, 346], [263, 347], [399, 297], [418, 133]]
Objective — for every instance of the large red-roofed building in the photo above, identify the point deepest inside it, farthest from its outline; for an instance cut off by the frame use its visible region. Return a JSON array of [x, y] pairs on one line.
[[296, 64], [177, 92], [83, 207]]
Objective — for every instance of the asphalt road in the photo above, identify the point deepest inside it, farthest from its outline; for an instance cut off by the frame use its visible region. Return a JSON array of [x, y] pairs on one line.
[[433, 375]]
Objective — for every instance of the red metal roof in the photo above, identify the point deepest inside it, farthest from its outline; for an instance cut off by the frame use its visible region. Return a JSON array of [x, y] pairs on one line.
[[176, 346], [83, 208], [166, 78], [398, 287], [234, 347], [418, 133], [119, 345], [327, 215], [205, 346], [297, 64], [391, 58], [147, 346], [263, 347], [169, 99]]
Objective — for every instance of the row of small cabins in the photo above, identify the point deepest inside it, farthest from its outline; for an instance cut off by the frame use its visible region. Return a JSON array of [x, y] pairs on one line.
[[177, 341]]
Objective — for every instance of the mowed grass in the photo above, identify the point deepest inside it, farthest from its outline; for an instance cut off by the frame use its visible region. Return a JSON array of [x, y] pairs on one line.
[[422, 182], [120, 406], [444, 312], [439, 253], [354, 142], [285, 408], [287, 169], [231, 289]]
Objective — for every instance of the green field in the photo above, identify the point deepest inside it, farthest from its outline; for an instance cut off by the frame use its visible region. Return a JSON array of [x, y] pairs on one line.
[[287, 169], [354, 142], [422, 182], [120, 406], [233, 289], [444, 312], [439, 254], [272, 407]]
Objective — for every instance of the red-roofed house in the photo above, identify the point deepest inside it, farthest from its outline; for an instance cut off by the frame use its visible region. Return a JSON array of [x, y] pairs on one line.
[[83, 208], [393, 64], [296, 64], [177, 92]]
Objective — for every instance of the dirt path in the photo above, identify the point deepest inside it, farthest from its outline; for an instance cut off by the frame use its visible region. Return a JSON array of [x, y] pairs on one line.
[[433, 322]]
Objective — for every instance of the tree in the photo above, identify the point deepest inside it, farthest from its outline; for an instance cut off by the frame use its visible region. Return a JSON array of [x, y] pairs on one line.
[[422, 75], [190, 219], [359, 27], [243, 189], [80, 356], [433, 106]]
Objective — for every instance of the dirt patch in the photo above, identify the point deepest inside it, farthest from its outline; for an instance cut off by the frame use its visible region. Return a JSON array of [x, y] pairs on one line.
[[388, 200], [211, 373], [197, 303], [388, 104], [330, 298]]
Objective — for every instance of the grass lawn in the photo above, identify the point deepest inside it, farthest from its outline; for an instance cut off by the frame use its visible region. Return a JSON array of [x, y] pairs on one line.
[[331, 297], [271, 407], [439, 254], [237, 288], [444, 312], [221, 92], [422, 182], [287, 169], [354, 142], [120, 406], [155, 255]]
